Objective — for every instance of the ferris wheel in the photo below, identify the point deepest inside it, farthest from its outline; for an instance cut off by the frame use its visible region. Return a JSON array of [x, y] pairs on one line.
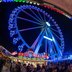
[[29, 21]]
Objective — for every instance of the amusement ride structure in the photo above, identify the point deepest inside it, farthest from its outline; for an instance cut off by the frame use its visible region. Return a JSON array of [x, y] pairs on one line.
[[31, 26]]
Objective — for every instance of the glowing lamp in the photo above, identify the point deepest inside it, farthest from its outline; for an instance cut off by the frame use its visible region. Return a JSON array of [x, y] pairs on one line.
[[48, 38], [48, 24]]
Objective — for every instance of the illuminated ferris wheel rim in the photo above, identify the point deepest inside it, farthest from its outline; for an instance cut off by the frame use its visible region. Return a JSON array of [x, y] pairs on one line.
[[24, 7]]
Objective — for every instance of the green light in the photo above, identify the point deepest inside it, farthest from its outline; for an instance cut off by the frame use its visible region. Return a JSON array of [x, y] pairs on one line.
[[20, 57], [15, 0], [24, 0], [19, 0], [0, 0]]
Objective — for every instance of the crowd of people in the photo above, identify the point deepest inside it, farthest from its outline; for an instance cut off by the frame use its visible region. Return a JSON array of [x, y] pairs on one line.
[[10, 66]]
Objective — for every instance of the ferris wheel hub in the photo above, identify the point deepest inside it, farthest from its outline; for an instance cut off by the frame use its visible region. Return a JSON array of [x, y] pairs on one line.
[[48, 24]]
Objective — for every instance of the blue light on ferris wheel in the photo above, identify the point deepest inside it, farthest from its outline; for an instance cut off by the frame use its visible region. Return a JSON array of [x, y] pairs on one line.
[[48, 38]]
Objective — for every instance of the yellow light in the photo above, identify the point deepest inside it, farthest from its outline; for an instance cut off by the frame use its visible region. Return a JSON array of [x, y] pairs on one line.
[[30, 2], [34, 3]]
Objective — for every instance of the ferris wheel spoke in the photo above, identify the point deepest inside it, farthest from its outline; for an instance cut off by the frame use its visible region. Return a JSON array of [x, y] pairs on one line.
[[52, 25], [30, 28], [44, 17], [28, 20], [56, 35], [35, 15], [40, 16], [48, 19], [54, 39], [30, 15], [54, 30]]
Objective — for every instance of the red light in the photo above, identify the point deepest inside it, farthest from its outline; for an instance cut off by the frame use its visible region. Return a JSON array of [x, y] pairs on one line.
[[53, 9]]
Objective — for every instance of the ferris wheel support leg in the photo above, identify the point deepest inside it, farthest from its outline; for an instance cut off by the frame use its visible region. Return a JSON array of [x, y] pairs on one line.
[[58, 53], [50, 51], [37, 40], [46, 46], [57, 47], [39, 44]]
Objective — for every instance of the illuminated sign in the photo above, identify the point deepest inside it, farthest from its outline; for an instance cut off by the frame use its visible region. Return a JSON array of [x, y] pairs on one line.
[[12, 0]]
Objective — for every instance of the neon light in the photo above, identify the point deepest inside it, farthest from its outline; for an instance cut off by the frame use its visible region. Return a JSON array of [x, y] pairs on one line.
[[48, 24], [12, 33], [20, 47], [4, 0], [54, 9], [12, 0], [7, 0], [48, 38], [19, 0], [15, 40]]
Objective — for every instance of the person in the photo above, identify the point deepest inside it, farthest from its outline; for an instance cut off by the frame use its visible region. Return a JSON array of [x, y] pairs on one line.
[[18, 67], [13, 67], [23, 68], [38, 69], [70, 66], [2, 61], [43, 69], [6, 67]]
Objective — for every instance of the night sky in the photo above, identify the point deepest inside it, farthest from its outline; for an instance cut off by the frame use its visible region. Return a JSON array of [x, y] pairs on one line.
[[5, 10]]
